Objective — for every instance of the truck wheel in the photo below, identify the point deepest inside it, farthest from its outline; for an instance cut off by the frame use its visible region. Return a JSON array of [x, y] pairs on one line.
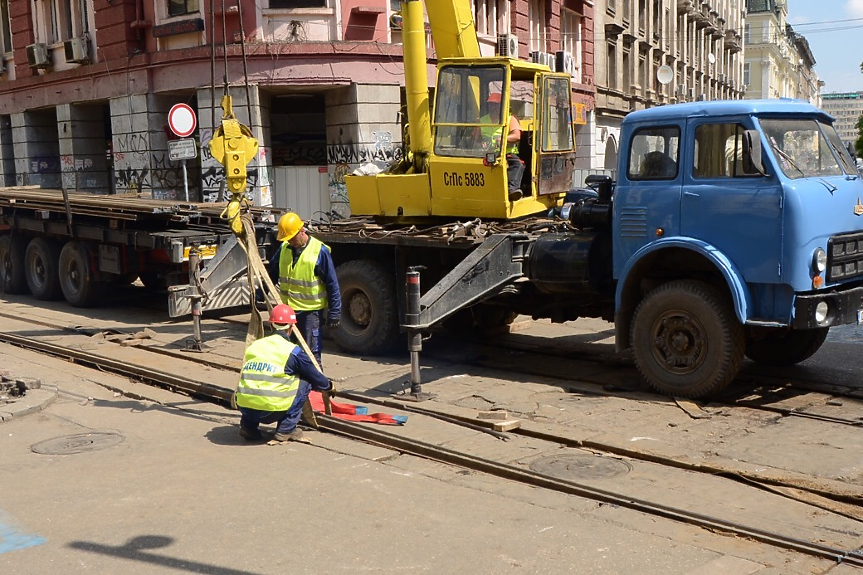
[[41, 261], [369, 322], [686, 339], [12, 279], [781, 347], [77, 282]]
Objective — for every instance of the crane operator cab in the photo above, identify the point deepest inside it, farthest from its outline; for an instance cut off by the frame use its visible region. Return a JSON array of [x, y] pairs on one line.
[[468, 168]]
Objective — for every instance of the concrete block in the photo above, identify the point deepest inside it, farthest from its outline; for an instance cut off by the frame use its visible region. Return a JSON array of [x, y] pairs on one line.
[[377, 113], [121, 124], [378, 93], [343, 114], [28, 383]]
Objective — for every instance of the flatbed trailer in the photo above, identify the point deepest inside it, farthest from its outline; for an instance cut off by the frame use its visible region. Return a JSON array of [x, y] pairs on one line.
[[474, 273], [64, 245]]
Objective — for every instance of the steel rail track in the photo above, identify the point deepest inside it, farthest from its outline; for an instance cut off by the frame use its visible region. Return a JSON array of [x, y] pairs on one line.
[[448, 456]]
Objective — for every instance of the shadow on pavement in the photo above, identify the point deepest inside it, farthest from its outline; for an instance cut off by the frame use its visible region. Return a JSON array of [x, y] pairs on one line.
[[137, 550]]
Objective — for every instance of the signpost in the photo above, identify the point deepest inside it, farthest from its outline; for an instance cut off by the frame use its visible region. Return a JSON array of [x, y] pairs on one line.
[[182, 121]]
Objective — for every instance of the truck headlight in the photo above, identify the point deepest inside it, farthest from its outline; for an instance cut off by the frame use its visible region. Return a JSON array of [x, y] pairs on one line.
[[819, 260]]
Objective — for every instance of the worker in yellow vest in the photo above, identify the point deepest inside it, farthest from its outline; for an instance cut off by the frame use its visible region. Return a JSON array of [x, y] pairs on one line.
[[276, 379], [306, 278], [493, 135]]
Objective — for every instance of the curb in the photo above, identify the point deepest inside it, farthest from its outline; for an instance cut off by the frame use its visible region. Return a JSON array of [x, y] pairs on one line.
[[35, 400]]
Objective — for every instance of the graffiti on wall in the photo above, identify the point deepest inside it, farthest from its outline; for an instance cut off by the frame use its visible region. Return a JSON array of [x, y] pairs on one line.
[[344, 158], [381, 151], [213, 183], [163, 177]]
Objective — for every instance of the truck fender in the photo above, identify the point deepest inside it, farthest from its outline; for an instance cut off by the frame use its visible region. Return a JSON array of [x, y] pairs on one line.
[[630, 275]]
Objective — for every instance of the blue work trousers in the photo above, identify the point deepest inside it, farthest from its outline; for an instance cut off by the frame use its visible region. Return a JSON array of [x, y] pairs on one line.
[[514, 171], [286, 420], [309, 324]]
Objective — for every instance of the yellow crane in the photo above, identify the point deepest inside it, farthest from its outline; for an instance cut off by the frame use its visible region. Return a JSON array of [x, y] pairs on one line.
[[455, 162]]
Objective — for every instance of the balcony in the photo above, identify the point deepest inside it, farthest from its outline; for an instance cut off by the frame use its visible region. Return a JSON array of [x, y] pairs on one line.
[[684, 7]]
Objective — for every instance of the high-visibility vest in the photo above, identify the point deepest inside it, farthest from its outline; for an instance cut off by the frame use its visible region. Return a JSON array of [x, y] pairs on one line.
[[264, 385], [298, 285], [495, 133]]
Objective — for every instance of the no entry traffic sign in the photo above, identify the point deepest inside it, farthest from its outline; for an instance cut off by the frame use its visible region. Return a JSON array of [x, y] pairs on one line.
[[182, 120]]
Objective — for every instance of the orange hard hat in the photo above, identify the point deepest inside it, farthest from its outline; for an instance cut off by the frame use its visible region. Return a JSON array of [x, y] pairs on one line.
[[283, 315], [494, 98], [289, 225]]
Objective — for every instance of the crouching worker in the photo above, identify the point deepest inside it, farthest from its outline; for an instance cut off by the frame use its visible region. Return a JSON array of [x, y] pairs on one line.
[[276, 379]]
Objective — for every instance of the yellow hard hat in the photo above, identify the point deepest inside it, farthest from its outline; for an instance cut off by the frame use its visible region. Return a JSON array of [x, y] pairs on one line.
[[289, 225]]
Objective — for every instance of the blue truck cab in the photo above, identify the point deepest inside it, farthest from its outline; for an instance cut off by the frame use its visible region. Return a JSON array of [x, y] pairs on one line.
[[738, 231]]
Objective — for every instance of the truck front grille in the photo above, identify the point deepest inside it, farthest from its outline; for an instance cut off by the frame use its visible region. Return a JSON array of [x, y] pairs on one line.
[[845, 257]]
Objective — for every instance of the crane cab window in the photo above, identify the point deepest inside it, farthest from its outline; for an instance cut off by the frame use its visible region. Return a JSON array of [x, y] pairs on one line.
[[557, 115], [465, 108], [654, 154]]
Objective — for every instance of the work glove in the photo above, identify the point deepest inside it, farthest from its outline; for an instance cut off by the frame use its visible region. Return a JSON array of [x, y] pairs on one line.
[[333, 321], [332, 389]]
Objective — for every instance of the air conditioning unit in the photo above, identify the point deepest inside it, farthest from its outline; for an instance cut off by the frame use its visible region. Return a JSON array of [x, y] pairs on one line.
[[507, 45], [37, 56], [681, 89], [537, 57], [692, 93], [551, 61], [564, 62], [77, 49]]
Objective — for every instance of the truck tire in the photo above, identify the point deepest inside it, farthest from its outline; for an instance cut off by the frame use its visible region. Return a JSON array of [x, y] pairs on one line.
[[76, 279], [41, 265], [686, 339], [12, 279], [369, 322], [786, 347]]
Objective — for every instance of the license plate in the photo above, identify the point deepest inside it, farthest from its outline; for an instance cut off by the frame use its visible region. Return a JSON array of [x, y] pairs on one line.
[[859, 316]]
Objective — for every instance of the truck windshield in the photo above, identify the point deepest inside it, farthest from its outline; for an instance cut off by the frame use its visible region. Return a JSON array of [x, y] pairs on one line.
[[806, 148]]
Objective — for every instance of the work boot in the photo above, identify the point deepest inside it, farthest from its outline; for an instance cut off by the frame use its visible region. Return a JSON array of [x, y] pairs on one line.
[[250, 434], [515, 195], [294, 435]]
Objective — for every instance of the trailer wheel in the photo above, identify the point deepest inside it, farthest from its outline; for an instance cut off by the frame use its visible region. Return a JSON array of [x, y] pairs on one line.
[[780, 347], [686, 340], [12, 279], [79, 287], [369, 322], [41, 262]]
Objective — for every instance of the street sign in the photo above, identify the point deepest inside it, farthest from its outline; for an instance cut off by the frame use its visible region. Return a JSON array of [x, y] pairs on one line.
[[184, 149], [182, 120]]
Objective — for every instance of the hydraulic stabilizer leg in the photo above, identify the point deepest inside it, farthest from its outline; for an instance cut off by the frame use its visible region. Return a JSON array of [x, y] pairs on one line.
[[415, 338], [194, 294]]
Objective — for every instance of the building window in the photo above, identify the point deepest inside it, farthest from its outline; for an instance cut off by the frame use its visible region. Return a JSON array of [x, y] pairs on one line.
[[489, 16], [180, 7], [611, 65], [642, 15], [627, 70], [571, 23], [5, 28], [536, 15], [746, 74], [62, 19]]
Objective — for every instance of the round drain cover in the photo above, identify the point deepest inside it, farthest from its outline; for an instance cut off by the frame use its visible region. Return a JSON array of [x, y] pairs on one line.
[[71, 444], [580, 466]]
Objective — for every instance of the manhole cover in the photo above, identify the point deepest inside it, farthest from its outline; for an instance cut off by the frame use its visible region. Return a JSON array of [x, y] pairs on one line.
[[580, 466], [71, 444]]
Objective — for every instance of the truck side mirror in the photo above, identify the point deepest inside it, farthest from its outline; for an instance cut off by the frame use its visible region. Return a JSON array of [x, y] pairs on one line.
[[752, 152]]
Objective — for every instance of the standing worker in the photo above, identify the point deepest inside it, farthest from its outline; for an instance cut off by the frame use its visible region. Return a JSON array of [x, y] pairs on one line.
[[514, 164], [306, 277], [276, 379]]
